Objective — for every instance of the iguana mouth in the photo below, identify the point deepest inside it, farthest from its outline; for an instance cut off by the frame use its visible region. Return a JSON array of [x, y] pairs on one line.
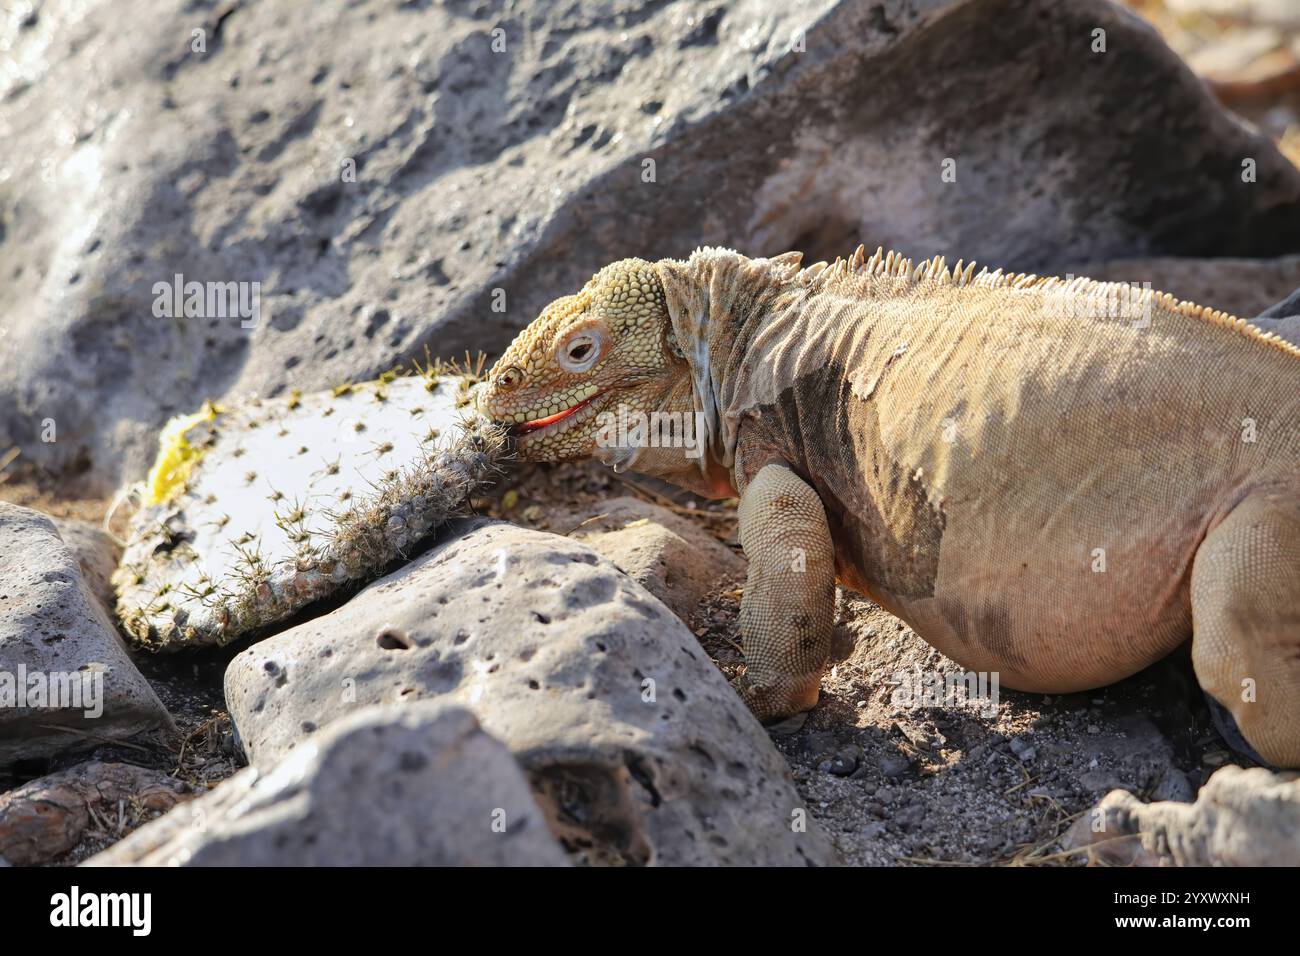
[[527, 428]]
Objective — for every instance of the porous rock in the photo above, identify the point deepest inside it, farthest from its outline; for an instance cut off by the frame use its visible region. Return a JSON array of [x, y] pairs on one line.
[[423, 786], [57, 640], [47, 817], [672, 558], [637, 749]]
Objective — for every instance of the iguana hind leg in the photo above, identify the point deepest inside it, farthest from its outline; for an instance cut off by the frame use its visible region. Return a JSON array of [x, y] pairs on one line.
[[1246, 621], [788, 609]]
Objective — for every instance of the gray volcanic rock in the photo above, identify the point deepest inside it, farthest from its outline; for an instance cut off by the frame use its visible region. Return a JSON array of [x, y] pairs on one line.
[[97, 555], [393, 176], [672, 558], [636, 748], [423, 786], [1283, 318], [56, 641]]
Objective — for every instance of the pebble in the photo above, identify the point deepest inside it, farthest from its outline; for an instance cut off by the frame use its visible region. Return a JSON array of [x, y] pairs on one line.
[[846, 761], [1022, 748], [910, 818], [893, 766]]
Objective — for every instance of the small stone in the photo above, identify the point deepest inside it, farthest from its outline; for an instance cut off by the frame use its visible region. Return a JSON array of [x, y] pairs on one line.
[[846, 761], [910, 818], [673, 558], [1022, 748], [893, 766]]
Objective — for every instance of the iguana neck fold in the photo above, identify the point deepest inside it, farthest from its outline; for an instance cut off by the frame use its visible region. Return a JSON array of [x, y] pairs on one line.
[[717, 301]]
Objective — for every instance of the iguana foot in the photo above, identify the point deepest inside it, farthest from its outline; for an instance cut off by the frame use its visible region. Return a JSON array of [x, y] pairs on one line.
[[1246, 622], [771, 703]]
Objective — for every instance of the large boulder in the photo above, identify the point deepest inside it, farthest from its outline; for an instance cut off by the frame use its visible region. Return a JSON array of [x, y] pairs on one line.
[[636, 748], [431, 174], [65, 678], [421, 787]]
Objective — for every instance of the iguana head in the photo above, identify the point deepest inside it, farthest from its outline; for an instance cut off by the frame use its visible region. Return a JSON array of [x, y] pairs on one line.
[[587, 358]]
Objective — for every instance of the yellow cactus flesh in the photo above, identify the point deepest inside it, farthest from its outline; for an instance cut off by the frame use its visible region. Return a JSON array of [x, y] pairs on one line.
[[176, 456]]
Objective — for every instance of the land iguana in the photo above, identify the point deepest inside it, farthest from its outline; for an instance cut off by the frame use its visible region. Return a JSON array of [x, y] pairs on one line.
[[1058, 480]]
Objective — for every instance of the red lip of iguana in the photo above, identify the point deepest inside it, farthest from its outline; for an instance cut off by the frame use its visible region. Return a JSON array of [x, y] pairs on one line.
[[537, 424]]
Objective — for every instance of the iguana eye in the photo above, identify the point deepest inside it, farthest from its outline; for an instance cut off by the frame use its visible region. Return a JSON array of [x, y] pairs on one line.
[[580, 352]]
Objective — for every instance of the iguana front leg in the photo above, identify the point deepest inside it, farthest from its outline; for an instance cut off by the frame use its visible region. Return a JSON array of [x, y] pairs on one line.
[[788, 609]]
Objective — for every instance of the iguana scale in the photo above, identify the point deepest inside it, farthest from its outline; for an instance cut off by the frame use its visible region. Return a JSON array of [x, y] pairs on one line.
[[1057, 480]]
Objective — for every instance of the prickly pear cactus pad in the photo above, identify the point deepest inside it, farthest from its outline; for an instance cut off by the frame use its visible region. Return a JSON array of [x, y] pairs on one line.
[[253, 511]]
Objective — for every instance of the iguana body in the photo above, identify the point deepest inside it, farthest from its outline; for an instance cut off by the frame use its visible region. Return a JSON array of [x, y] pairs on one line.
[[1059, 481]]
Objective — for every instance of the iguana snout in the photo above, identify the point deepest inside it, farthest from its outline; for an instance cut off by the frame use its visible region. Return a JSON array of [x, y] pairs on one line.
[[584, 360]]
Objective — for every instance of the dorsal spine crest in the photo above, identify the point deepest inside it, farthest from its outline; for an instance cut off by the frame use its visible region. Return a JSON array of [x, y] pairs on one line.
[[890, 264]]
